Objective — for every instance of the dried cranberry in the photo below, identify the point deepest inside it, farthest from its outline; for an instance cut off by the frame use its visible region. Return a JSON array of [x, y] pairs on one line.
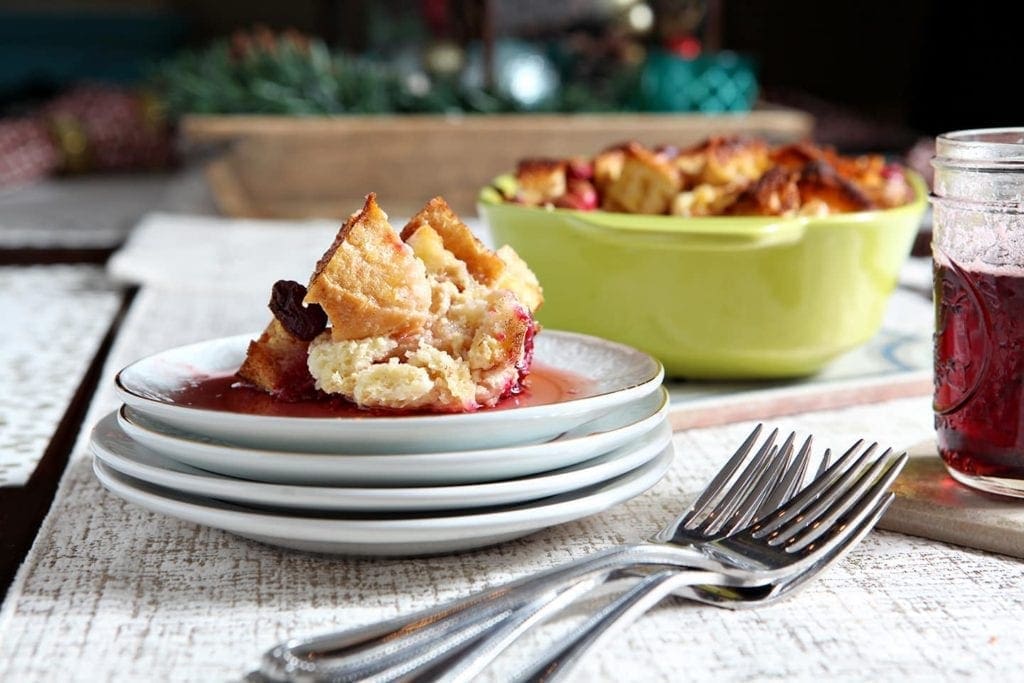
[[581, 196], [302, 322], [579, 169], [892, 171]]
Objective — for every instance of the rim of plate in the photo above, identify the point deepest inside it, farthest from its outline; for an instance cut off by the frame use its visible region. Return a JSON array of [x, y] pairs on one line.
[[525, 413], [607, 466], [393, 522], [171, 434]]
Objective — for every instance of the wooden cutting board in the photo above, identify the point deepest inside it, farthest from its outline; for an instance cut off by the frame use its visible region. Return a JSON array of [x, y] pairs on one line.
[[930, 504]]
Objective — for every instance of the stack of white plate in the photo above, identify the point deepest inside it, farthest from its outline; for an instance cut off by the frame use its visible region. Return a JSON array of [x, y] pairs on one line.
[[387, 485]]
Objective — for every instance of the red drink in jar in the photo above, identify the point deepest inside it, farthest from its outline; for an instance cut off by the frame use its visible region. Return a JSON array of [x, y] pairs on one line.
[[978, 247], [979, 370]]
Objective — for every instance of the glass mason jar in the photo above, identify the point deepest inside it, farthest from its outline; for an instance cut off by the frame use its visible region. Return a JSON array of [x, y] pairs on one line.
[[978, 249]]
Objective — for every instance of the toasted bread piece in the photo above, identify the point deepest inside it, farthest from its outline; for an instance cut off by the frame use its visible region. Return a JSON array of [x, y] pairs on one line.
[[820, 182], [795, 156], [441, 263], [733, 161], [502, 348], [437, 322], [705, 200], [774, 194], [519, 279], [276, 363], [883, 182], [608, 166], [369, 282], [444, 242], [483, 264], [540, 180], [647, 184], [845, 183]]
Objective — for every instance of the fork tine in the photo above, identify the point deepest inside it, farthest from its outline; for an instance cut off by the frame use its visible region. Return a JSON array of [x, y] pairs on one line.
[[711, 509], [837, 475], [857, 528], [727, 505], [743, 504], [873, 483], [839, 544], [767, 485], [858, 476], [790, 484], [721, 480], [826, 461], [852, 530]]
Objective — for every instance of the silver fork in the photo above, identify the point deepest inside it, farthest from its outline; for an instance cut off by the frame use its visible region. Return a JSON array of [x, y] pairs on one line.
[[815, 528], [555, 664], [728, 561], [743, 487]]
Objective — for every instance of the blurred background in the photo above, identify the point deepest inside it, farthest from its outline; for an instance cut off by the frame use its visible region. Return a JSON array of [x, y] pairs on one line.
[[107, 86]]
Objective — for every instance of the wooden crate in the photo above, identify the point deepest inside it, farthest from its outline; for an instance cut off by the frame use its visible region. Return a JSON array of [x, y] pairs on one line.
[[292, 167]]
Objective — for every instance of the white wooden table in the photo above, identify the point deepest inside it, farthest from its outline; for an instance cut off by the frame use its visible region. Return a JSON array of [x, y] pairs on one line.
[[111, 592], [54, 318]]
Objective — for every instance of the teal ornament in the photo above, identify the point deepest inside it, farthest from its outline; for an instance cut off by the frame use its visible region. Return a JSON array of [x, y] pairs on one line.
[[710, 83]]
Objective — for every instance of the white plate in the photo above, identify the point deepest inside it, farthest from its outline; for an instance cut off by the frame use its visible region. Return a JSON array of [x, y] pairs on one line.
[[111, 445], [617, 375], [387, 534], [606, 433]]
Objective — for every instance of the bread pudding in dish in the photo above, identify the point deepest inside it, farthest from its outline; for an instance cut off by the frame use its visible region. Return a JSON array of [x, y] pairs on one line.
[[721, 176], [426, 319]]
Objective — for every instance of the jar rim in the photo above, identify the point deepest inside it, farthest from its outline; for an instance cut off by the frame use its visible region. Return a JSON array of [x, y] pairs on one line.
[[994, 148]]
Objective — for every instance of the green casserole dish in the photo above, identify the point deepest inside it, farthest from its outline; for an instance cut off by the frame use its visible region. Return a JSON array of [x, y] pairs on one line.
[[715, 297]]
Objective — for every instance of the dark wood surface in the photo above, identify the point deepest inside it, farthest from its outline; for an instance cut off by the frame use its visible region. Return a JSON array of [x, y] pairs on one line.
[[29, 257], [23, 508]]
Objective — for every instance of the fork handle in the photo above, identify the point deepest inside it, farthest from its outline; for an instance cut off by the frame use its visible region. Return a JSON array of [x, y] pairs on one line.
[[499, 637], [626, 609], [377, 646]]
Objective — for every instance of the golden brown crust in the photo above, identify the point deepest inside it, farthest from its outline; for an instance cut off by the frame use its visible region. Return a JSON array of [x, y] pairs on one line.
[[795, 156], [540, 180], [647, 183], [428, 246], [608, 166], [369, 282], [519, 279], [736, 161], [276, 363], [726, 175], [483, 264], [720, 160], [819, 182], [503, 269], [463, 342], [884, 183], [705, 200], [774, 194]]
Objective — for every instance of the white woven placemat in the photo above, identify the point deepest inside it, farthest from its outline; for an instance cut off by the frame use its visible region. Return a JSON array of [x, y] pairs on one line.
[[54, 318], [113, 593]]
